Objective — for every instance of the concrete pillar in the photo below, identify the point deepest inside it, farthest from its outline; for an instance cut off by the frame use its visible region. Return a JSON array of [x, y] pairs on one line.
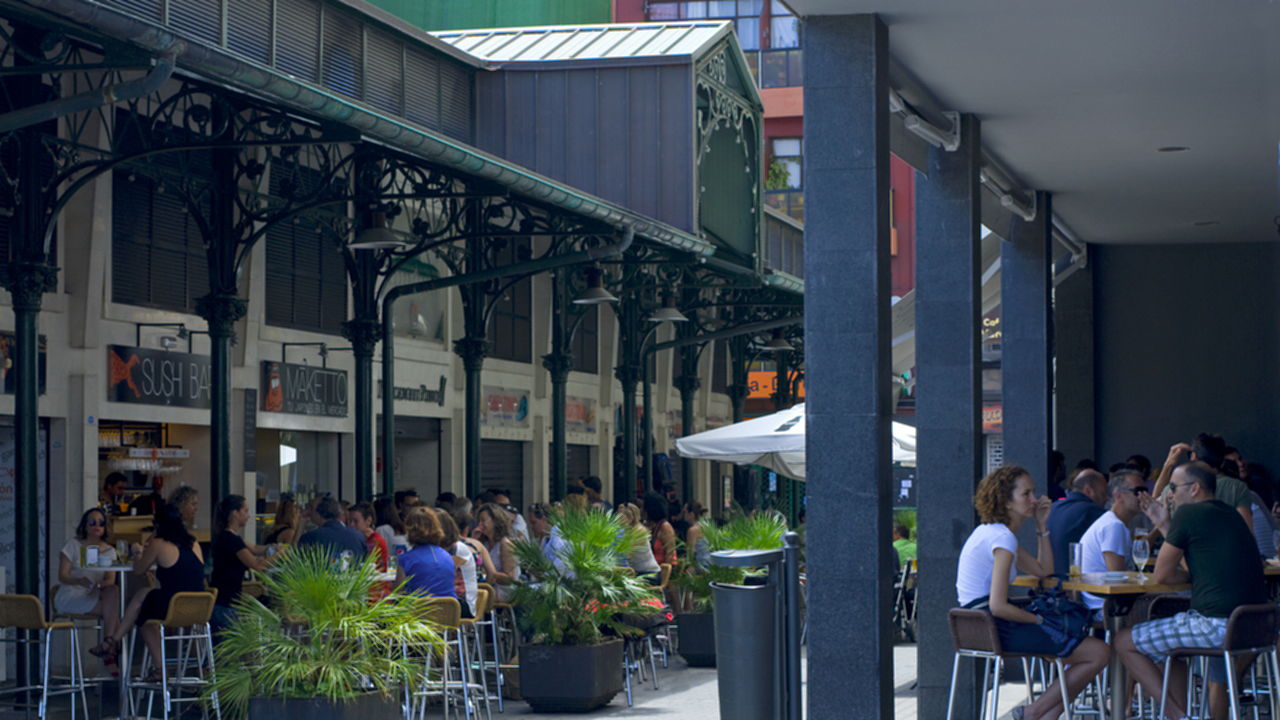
[[1073, 363], [847, 352], [1027, 321], [949, 404]]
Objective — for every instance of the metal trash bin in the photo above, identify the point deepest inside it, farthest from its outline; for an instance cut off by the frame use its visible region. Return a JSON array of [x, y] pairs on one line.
[[757, 657]]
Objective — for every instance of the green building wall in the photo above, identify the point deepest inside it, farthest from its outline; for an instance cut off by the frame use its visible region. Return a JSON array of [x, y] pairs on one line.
[[469, 14]]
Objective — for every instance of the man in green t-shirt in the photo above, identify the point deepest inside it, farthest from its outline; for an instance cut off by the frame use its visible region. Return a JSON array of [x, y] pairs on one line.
[[903, 544], [1212, 450], [1224, 570]]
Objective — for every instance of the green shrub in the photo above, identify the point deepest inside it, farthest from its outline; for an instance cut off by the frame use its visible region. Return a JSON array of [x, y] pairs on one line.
[[760, 531]]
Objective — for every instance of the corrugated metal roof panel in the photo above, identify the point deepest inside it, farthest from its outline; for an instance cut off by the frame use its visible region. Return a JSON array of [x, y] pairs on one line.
[[587, 42]]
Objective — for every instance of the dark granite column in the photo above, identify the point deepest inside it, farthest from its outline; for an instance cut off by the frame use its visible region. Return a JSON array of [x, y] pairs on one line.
[[850, 560], [1027, 322], [1073, 364], [949, 402]]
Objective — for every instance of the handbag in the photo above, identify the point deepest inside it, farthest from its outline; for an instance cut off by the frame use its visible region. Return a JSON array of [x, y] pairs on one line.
[[1062, 615]]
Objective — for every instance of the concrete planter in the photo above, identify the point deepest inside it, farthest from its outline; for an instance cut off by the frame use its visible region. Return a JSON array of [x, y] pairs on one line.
[[570, 678], [364, 707], [697, 635]]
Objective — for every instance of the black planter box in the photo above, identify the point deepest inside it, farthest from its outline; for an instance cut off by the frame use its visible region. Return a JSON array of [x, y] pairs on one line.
[[570, 678], [697, 639], [365, 707]]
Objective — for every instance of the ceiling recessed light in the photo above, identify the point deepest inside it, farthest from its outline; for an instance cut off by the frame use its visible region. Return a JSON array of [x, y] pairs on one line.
[[1206, 223], [1173, 148]]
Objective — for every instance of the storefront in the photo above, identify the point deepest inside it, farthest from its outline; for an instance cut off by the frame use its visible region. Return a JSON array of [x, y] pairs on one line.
[[301, 438]]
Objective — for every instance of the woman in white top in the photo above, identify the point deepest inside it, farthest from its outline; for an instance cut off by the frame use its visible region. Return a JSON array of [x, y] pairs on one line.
[[640, 558], [85, 590], [1005, 499], [493, 528]]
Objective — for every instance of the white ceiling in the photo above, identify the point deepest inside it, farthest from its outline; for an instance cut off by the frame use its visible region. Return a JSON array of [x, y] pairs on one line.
[[1076, 96]]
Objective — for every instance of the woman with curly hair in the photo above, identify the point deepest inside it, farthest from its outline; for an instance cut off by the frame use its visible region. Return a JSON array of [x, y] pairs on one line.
[[988, 563]]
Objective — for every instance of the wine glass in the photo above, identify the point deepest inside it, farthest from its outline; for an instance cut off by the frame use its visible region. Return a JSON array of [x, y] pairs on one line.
[[1141, 554]]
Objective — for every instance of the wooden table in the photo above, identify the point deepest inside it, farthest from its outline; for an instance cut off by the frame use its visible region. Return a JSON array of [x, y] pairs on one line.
[[1119, 593]]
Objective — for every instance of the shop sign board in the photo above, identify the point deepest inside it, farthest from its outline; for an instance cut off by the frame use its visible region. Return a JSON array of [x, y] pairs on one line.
[[504, 407], [992, 418], [303, 389], [762, 384], [579, 414], [157, 377], [8, 343], [421, 393]]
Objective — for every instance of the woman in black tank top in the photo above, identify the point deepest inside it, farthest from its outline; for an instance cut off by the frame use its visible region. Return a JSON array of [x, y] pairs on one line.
[[184, 572]]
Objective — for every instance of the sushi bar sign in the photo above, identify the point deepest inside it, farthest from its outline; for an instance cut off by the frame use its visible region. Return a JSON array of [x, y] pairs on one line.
[[304, 389]]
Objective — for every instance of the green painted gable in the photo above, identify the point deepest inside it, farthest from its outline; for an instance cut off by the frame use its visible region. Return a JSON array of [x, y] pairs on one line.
[[469, 14]]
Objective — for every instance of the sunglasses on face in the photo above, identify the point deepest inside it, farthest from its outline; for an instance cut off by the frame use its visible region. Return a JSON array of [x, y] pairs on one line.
[[95, 523]]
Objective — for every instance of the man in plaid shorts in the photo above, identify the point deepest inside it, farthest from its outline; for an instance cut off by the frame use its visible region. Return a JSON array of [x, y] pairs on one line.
[[1225, 572]]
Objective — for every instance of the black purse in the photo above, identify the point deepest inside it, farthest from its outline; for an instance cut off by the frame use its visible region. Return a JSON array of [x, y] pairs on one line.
[[1061, 614]]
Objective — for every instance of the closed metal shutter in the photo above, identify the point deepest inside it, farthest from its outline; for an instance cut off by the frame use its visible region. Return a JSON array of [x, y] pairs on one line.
[[157, 255], [502, 468], [579, 462]]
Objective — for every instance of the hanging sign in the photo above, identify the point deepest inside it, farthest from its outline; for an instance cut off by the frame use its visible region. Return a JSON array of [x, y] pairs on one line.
[[303, 389], [762, 384], [503, 407], [157, 377], [8, 344], [579, 414]]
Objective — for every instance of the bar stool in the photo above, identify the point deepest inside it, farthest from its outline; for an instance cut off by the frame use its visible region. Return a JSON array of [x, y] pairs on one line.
[[663, 634], [25, 614], [446, 614], [973, 632], [472, 626], [1251, 630], [187, 623], [496, 612]]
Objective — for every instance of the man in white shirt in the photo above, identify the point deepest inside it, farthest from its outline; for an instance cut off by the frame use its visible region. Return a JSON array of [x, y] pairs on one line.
[[1107, 543]]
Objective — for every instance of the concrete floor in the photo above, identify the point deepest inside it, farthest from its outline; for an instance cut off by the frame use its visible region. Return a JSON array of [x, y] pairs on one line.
[[685, 693]]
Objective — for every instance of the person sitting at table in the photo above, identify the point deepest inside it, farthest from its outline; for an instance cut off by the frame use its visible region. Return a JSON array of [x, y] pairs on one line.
[[85, 590], [464, 560], [179, 567], [1212, 450], [284, 529], [640, 558], [1107, 544], [389, 525], [186, 500], [501, 569], [1224, 570], [426, 569], [988, 561], [113, 492], [662, 535], [361, 517], [332, 534], [1074, 514], [232, 557]]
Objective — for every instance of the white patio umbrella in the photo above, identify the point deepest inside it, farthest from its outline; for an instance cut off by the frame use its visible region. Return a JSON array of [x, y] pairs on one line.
[[775, 441]]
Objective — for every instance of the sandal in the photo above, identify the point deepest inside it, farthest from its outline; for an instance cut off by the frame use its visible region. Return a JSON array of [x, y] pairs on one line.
[[109, 647], [152, 679], [1018, 712]]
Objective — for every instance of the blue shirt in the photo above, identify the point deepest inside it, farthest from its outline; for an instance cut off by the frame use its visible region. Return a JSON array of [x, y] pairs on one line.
[[336, 538], [428, 570], [1068, 520], [556, 550]]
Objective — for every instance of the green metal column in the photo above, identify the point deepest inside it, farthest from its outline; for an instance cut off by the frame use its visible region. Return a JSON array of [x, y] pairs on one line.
[[473, 351], [628, 374], [688, 386], [363, 334], [559, 362], [388, 404]]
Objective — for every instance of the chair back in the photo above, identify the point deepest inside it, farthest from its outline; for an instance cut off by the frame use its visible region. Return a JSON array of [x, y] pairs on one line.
[[1166, 606], [490, 598], [664, 575], [973, 630], [187, 609], [625, 570], [443, 611], [21, 611], [1251, 626], [482, 603]]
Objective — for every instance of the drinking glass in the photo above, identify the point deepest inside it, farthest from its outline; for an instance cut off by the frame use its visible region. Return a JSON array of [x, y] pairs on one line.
[[1075, 557], [1141, 554]]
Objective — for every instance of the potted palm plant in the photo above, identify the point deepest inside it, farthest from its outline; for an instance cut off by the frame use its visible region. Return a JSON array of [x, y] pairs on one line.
[[572, 611], [697, 629], [324, 649]]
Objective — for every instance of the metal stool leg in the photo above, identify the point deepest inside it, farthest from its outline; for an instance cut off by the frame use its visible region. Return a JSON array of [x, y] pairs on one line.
[[951, 694]]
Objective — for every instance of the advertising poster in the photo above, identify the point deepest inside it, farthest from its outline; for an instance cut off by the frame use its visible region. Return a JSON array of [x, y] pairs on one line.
[[505, 408]]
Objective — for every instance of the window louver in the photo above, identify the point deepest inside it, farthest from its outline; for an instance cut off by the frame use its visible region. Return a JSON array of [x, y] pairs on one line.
[[201, 19], [343, 54], [384, 72], [298, 42], [249, 25]]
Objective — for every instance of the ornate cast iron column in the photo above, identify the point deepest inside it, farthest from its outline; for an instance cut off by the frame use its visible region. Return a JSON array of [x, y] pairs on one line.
[[782, 395], [363, 332], [628, 372], [559, 362], [473, 350], [688, 384]]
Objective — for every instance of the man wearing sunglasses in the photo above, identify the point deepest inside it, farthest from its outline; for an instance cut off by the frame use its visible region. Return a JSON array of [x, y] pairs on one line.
[[1106, 545], [1224, 570]]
